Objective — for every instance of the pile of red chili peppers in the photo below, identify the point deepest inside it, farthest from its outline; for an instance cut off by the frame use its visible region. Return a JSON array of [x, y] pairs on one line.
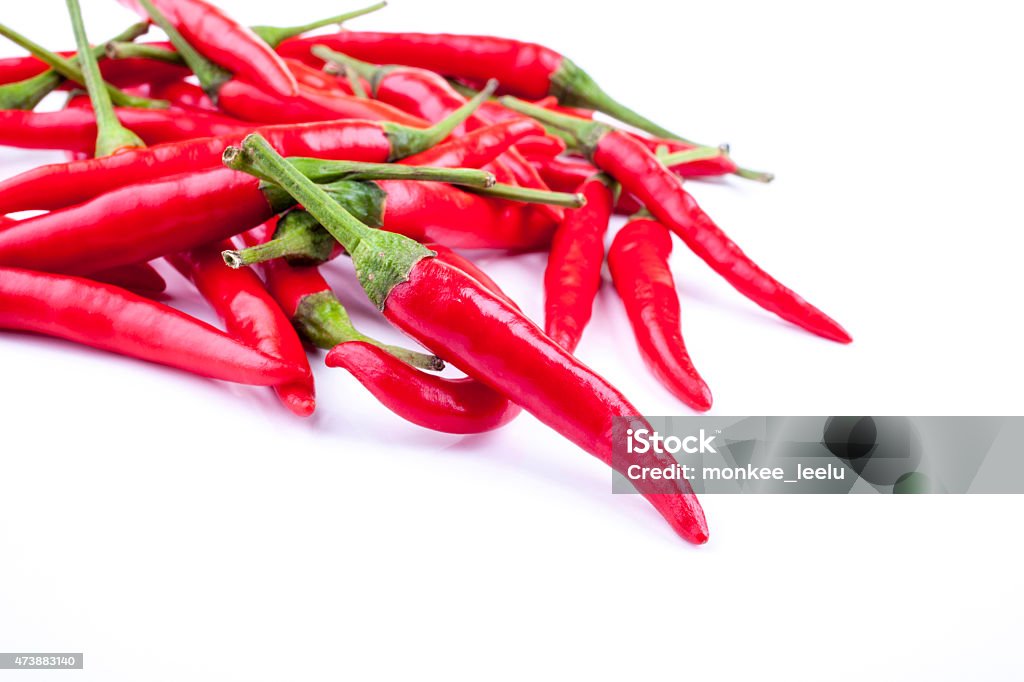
[[226, 146]]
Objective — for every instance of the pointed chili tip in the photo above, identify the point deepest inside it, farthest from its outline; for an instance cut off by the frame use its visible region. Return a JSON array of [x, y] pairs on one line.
[[701, 400], [301, 403]]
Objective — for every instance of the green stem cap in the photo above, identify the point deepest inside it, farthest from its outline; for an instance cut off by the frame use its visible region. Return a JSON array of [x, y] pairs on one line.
[[406, 141], [323, 320], [383, 260]]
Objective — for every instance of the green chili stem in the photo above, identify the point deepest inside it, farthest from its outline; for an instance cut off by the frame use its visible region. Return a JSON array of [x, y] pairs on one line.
[[406, 141], [690, 155], [275, 35], [117, 49], [211, 76], [371, 72], [26, 94], [532, 196], [68, 70], [111, 136], [322, 171]]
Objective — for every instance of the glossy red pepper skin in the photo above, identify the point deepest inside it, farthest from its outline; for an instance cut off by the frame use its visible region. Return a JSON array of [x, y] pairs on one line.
[[251, 315], [458, 319], [140, 278], [475, 149], [75, 129], [112, 319], [225, 42], [638, 259], [185, 95], [661, 191], [543, 146], [435, 212], [248, 102], [573, 274], [523, 69], [455, 259], [122, 73], [460, 406], [63, 184], [137, 223], [719, 165]]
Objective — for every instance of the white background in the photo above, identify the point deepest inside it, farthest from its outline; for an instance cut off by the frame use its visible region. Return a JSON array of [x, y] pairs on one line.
[[175, 528]]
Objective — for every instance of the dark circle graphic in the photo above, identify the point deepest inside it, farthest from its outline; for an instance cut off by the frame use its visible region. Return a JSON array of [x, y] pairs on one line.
[[850, 437]]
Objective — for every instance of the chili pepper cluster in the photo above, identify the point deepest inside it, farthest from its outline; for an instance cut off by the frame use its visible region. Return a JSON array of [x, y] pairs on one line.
[[249, 157]]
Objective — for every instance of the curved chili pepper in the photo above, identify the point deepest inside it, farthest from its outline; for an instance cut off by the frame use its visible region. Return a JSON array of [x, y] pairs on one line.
[[75, 129], [112, 319], [446, 255], [460, 320], [450, 405], [119, 72], [225, 42], [64, 184], [252, 316], [641, 173], [185, 95], [573, 273], [638, 259]]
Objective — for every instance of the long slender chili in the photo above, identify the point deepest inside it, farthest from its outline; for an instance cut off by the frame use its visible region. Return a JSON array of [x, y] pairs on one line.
[[112, 319], [144, 221], [573, 274], [251, 315], [75, 129], [64, 184], [458, 318], [568, 175], [641, 173], [638, 259], [224, 41]]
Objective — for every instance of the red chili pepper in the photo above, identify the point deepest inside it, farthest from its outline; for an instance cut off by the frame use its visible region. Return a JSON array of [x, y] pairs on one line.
[[225, 42], [252, 316], [122, 73], [461, 321], [638, 259], [573, 273], [64, 184], [449, 405], [109, 318], [718, 165], [446, 255], [75, 129], [185, 95], [527, 70], [630, 162]]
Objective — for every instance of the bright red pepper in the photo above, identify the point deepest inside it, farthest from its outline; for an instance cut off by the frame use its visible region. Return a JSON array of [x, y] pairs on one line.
[[140, 278], [122, 73], [112, 319], [460, 320], [449, 405], [543, 146], [573, 274], [638, 259], [250, 315], [641, 173], [225, 42], [75, 129], [476, 149], [64, 184], [459, 261], [526, 70]]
